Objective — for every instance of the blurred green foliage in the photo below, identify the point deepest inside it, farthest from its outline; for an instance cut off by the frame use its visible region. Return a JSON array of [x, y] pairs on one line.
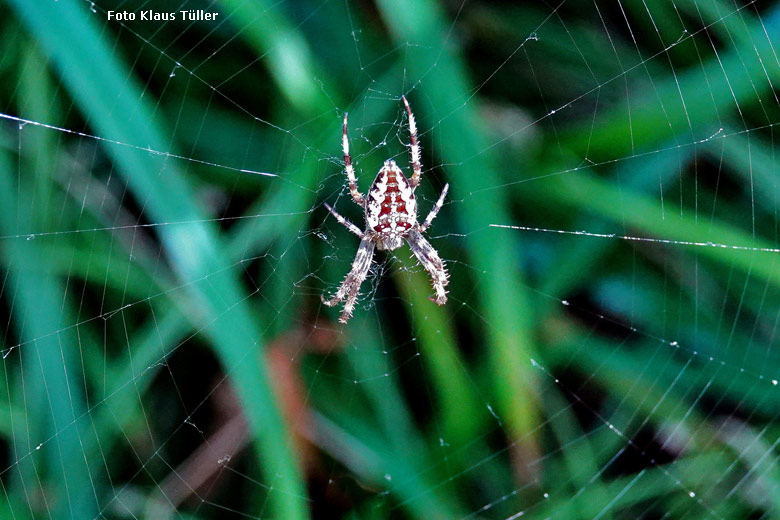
[[164, 249]]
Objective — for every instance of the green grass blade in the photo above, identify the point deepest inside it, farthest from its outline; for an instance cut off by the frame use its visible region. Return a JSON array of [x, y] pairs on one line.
[[116, 109], [462, 144]]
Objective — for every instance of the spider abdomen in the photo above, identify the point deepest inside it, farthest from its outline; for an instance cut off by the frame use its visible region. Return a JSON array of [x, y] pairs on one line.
[[391, 208]]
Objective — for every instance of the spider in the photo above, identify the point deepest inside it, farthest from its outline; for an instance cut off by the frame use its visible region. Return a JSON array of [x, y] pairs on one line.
[[391, 217]]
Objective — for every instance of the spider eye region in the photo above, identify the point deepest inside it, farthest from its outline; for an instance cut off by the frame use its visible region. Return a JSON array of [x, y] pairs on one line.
[[391, 208]]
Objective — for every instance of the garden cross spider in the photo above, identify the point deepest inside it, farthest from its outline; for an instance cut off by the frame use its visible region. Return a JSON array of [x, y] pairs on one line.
[[391, 217]]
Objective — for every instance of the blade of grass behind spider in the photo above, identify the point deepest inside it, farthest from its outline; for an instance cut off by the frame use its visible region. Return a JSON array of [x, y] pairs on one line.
[[406, 455], [51, 381], [697, 472], [719, 241], [115, 109], [462, 145], [578, 458], [284, 50], [48, 437], [580, 261], [460, 430], [455, 391], [50, 376], [673, 106], [754, 159], [289, 59]]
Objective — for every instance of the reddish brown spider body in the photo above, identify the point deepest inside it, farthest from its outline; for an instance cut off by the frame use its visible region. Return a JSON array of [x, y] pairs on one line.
[[391, 217], [391, 208]]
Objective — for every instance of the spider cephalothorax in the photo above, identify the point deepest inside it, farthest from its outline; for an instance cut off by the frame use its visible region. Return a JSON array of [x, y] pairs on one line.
[[391, 217]]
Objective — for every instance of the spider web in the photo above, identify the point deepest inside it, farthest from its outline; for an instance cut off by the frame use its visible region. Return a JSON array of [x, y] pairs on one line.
[[608, 348]]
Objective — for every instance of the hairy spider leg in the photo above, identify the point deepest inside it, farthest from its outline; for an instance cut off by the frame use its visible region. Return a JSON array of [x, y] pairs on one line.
[[435, 211], [353, 187], [414, 148], [350, 288], [344, 222], [432, 263]]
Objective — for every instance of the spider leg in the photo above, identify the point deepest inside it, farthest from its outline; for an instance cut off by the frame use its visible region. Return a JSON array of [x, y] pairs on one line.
[[432, 263], [414, 148], [350, 287], [353, 187], [344, 222], [435, 210]]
